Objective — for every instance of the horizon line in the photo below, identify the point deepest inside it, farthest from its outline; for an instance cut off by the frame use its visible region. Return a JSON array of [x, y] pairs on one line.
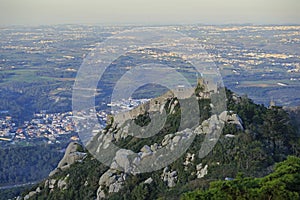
[[151, 24]]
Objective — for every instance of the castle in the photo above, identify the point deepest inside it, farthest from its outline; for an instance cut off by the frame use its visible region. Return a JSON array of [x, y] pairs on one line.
[[157, 104]]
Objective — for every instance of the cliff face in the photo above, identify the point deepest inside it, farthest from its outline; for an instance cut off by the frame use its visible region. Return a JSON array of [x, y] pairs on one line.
[[245, 145]]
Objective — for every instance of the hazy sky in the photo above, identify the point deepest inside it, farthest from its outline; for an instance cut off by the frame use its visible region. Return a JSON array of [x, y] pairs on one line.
[[35, 12]]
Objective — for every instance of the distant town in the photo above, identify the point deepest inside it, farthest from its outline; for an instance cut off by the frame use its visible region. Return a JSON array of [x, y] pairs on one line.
[[43, 125], [50, 127]]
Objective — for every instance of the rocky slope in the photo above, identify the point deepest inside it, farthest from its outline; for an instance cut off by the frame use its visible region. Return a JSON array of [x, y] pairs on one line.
[[252, 140]]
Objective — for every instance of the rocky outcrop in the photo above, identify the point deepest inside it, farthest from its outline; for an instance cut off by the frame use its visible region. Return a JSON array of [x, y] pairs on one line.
[[148, 181], [215, 122], [146, 151], [31, 194], [190, 158], [209, 126], [71, 156], [50, 183], [201, 171], [62, 184], [110, 182], [121, 161], [169, 177], [232, 118]]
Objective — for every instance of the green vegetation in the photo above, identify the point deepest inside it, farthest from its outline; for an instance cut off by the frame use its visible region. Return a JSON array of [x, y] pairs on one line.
[[13, 192], [83, 181], [283, 183], [27, 164], [143, 120]]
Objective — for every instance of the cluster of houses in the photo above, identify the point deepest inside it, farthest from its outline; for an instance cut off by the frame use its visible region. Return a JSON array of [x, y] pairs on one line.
[[42, 125]]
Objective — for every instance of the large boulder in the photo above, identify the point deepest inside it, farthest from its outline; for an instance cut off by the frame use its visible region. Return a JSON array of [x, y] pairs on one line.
[[71, 156], [201, 171], [111, 181], [169, 177], [231, 118], [122, 160]]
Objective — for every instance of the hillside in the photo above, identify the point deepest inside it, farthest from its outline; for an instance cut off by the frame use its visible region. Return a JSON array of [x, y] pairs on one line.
[[253, 140], [283, 183]]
